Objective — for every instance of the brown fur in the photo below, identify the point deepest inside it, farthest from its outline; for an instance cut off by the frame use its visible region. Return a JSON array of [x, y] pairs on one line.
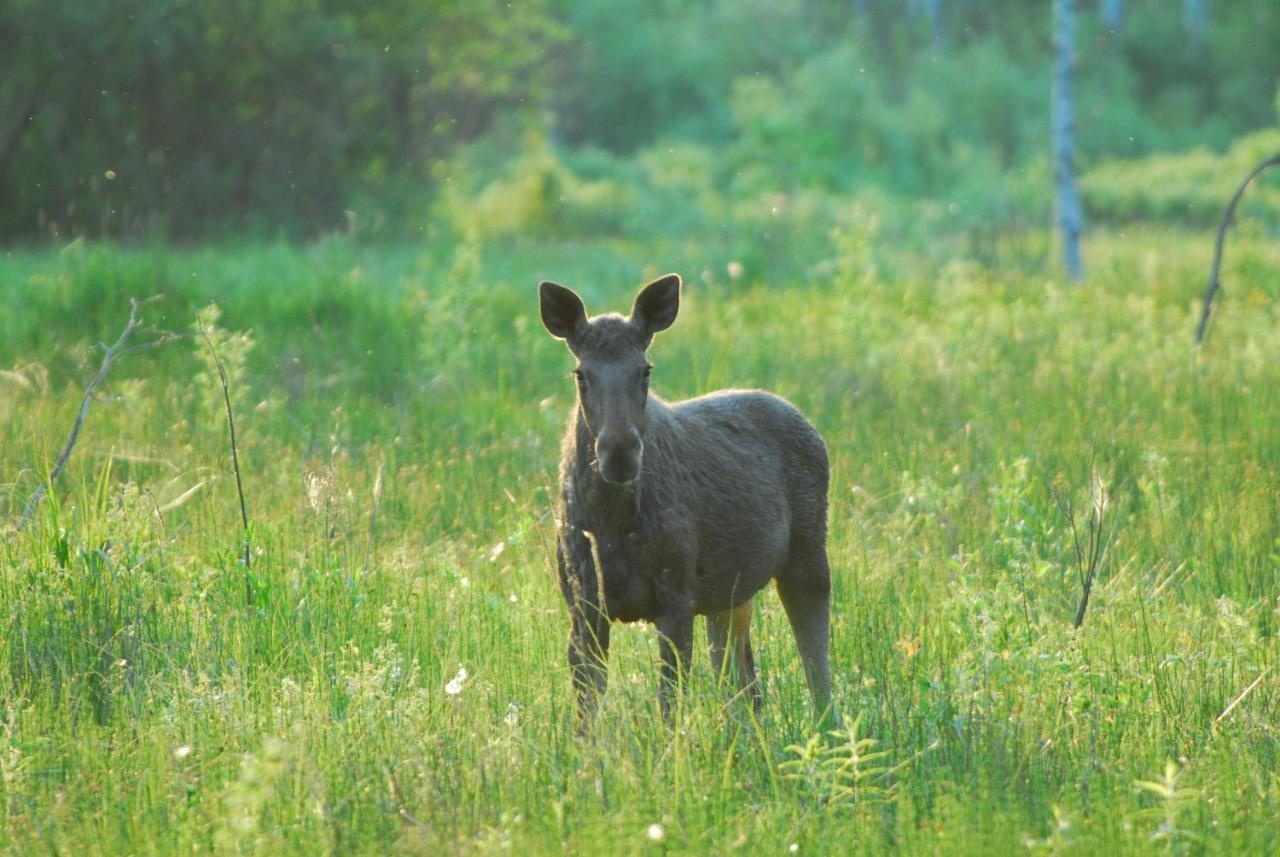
[[669, 510]]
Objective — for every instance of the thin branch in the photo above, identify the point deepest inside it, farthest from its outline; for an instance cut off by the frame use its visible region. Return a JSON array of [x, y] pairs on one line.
[[1214, 284], [235, 461], [111, 353], [1248, 690]]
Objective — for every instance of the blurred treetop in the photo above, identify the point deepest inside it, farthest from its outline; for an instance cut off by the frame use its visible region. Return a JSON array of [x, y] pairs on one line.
[[196, 118]]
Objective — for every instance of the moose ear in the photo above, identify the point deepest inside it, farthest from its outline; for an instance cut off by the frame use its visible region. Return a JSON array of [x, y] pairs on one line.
[[657, 304], [562, 311]]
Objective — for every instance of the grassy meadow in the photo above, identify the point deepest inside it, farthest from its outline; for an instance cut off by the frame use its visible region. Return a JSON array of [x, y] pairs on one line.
[[388, 675]]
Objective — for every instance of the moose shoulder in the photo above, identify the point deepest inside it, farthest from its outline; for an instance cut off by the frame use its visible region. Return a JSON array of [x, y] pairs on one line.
[[671, 510]]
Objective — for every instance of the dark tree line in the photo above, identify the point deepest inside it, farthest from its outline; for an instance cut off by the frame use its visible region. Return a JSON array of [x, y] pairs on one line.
[[194, 118], [188, 115]]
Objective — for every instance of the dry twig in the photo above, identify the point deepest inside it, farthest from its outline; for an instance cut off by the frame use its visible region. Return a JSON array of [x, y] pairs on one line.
[[1214, 284], [110, 355]]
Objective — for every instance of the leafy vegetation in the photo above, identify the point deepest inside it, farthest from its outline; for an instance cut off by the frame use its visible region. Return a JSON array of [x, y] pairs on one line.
[[1055, 524], [396, 683], [157, 118]]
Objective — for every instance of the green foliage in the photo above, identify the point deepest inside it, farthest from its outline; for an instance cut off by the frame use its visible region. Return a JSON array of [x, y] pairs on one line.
[[294, 118], [161, 117], [1190, 188], [841, 767], [1173, 799], [398, 684]]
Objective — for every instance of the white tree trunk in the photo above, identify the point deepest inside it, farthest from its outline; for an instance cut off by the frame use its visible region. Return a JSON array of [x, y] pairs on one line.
[[1062, 130], [933, 12], [1195, 17], [1112, 13]]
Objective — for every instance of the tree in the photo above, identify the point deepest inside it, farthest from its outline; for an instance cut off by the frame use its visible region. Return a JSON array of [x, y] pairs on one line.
[[1062, 129], [1112, 13], [195, 116], [1195, 17]]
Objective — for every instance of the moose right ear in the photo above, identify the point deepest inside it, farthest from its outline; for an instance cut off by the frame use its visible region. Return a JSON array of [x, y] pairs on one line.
[[562, 311]]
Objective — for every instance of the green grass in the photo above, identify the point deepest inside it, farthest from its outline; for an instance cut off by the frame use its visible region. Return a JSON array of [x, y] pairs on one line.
[[399, 413]]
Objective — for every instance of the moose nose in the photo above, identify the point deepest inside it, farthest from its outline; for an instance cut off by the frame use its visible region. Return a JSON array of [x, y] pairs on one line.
[[619, 455]]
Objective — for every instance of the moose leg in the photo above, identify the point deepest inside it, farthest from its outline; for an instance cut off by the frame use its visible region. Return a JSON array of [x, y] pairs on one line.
[[805, 591], [717, 637], [589, 622], [675, 643], [588, 661], [735, 625]]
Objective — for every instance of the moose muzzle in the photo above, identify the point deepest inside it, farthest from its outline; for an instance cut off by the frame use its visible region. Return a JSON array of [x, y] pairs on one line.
[[619, 455]]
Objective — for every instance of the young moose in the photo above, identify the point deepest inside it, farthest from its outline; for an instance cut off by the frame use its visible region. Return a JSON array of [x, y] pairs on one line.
[[672, 510]]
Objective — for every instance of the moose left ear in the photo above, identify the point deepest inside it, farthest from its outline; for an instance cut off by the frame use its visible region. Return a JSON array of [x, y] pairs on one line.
[[657, 304]]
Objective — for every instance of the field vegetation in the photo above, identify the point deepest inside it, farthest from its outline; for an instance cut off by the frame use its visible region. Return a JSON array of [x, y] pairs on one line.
[[1055, 520], [388, 674]]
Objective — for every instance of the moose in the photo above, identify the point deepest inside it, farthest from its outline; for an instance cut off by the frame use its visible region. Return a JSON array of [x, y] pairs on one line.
[[671, 510]]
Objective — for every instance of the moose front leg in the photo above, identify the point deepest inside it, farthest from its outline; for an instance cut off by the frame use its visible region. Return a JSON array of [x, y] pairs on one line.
[[588, 660], [589, 621], [675, 643]]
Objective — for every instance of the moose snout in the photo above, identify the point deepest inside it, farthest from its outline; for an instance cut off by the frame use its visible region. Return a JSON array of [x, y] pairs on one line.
[[619, 455]]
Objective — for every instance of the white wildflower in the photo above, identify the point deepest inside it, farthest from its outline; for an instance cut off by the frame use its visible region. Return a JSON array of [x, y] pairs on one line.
[[454, 687]]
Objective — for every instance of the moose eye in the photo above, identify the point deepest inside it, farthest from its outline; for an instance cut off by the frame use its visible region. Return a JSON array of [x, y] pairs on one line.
[[647, 370], [580, 377]]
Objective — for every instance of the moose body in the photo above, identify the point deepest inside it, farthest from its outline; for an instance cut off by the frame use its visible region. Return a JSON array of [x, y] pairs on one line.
[[671, 510]]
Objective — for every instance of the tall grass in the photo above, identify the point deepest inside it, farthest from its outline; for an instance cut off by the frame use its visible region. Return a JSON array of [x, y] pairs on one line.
[[398, 417]]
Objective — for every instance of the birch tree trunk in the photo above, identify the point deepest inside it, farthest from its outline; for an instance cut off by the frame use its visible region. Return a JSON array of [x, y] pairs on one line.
[[933, 11], [1195, 17], [1062, 130], [1112, 13]]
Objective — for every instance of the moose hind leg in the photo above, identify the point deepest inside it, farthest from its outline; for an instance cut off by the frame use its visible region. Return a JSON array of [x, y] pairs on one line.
[[735, 626], [717, 638], [805, 591]]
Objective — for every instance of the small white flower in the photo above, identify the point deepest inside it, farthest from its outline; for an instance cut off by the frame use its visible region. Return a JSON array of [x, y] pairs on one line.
[[182, 751], [794, 848], [655, 833], [454, 687], [513, 715]]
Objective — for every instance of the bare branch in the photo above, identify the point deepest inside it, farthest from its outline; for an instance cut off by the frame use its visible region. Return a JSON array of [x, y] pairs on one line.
[[111, 353], [1212, 288]]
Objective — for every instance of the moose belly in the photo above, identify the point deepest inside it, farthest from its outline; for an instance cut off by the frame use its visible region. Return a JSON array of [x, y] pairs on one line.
[[732, 569]]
